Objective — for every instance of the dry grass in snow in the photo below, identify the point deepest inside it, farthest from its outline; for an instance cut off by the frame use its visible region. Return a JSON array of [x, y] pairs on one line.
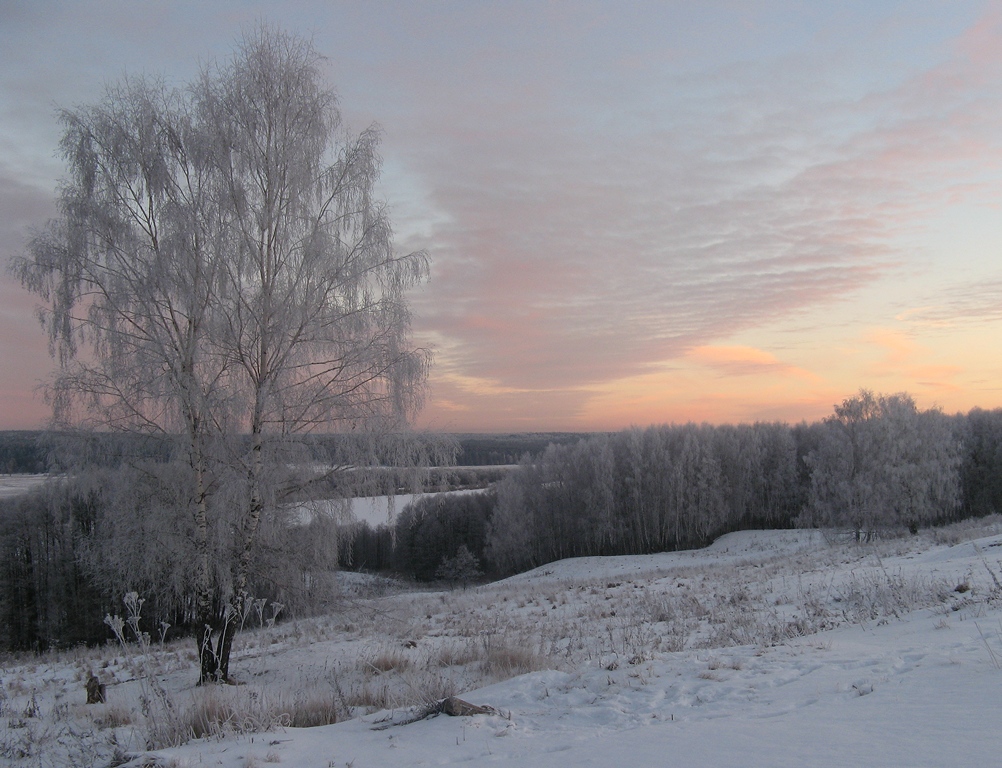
[[610, 643]]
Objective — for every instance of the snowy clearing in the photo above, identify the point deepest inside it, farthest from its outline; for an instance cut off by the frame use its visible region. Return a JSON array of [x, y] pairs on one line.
[[15, 485], [773, 648], [373, 510]]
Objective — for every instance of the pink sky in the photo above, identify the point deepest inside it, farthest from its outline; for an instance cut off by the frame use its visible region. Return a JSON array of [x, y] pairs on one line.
[[636, 212]]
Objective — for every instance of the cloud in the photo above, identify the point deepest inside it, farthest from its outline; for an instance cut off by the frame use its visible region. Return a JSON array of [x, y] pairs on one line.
[[22, 341], [580, 252], [746, 361], [968, 303], [585, 262], [22, 206], [588, 277], [25, 360], [610, 190]]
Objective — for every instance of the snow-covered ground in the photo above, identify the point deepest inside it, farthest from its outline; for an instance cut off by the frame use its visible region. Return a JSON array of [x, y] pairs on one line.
[[776, 648], [374, 510], [15, 485]]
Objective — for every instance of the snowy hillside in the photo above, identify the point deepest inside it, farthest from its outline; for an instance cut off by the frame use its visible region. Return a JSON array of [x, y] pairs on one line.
[[774, 648]]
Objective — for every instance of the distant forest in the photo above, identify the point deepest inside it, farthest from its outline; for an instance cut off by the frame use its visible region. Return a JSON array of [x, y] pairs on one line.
[[877, 466], [36, 452], [23, 453]]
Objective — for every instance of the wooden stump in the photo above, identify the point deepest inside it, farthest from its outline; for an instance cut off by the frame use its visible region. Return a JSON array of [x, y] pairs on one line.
[[95, 690]]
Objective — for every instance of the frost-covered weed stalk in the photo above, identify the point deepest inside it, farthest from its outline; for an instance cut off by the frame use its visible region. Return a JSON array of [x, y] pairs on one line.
[[165, 726]]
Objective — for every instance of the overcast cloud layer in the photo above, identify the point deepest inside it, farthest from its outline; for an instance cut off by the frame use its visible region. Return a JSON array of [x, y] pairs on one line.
[[635, 212]]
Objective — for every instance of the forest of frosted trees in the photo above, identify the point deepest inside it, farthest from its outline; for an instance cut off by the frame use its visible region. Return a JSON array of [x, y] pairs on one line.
[[877, 466]]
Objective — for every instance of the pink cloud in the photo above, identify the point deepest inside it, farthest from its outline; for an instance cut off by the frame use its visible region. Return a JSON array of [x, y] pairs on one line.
[[24, 361], [962, 304], [634, 250], [979, 44]]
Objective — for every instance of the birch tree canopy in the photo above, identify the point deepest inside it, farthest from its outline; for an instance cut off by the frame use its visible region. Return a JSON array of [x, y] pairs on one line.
[[222, 271]]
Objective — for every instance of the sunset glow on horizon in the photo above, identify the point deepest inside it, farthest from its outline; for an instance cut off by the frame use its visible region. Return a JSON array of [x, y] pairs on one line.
[[636, 213]]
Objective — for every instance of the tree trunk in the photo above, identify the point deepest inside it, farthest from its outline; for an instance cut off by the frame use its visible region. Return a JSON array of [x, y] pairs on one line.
[[208, 661], [241, 575]]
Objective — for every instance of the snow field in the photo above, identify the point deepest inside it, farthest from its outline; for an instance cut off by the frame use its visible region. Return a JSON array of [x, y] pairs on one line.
[[15, 485], [372, 510], [767, 648]]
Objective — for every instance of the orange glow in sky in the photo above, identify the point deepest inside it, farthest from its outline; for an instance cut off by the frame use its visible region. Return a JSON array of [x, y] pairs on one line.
[[635, 212]]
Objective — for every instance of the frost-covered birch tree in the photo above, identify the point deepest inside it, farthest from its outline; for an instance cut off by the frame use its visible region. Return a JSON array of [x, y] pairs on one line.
[[222, 272], [881, 462], [128, 275]]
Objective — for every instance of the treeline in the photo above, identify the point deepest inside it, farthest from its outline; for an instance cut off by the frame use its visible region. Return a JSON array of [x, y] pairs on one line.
[[424, 536], [633, 492], [981, 468], [71, 549], [877, 464], [28, 452], [44, 451], [502, 449], [46, 596], [645, 490], [22, 452]]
